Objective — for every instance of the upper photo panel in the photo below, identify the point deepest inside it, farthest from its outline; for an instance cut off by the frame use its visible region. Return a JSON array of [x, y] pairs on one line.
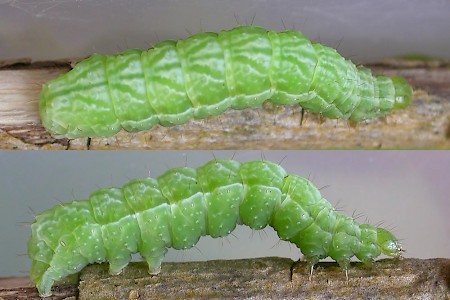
[[224, 75]]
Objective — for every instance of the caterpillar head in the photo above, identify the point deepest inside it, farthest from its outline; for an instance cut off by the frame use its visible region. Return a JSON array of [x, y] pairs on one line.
[[403, 92], [388, 243]]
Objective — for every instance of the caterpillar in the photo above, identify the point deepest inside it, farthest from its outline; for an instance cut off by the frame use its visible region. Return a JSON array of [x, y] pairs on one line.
[[149, 215], [208, 73]]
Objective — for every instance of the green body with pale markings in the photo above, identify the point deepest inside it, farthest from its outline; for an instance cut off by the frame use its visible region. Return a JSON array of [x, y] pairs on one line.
[[173, 211], [208, 73]]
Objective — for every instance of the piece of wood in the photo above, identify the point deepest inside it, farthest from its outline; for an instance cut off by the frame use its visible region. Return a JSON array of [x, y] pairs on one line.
[[260, 278], [425, 124], [272, 277], [21, 288]]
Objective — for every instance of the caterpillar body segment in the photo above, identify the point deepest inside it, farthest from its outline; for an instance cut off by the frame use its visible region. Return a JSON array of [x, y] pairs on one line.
[[208, 73], [149, 215]]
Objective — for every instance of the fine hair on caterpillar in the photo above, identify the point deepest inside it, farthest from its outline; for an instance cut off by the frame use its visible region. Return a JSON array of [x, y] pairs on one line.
[[209, 73], [150, 215]]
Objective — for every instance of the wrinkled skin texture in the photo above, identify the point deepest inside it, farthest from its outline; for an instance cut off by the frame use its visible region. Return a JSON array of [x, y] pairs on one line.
[[208, 73], [174, 210]]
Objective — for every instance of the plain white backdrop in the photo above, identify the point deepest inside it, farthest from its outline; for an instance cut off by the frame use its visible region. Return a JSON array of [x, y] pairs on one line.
[[406, 191]]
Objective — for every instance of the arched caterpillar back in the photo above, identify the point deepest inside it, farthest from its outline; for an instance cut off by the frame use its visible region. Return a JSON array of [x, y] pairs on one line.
[[174, 210], [207, 74]]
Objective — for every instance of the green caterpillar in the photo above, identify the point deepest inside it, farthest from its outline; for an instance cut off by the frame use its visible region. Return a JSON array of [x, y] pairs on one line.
[[151, 215], [207, 74]]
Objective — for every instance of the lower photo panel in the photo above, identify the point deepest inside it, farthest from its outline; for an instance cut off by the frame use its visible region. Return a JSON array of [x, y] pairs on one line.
[[241, 212]]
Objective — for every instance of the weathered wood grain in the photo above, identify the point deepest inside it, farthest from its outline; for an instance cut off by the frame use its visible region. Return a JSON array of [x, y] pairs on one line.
[[258, 278], [425, 124]]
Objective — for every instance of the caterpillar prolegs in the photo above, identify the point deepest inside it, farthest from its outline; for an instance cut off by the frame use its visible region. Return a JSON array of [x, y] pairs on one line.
[[207, 74], [150, 215]]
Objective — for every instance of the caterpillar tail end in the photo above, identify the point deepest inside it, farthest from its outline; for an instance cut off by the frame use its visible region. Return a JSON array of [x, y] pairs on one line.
[[46, 118], [39, 274], [44, 286], [403, 92]]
